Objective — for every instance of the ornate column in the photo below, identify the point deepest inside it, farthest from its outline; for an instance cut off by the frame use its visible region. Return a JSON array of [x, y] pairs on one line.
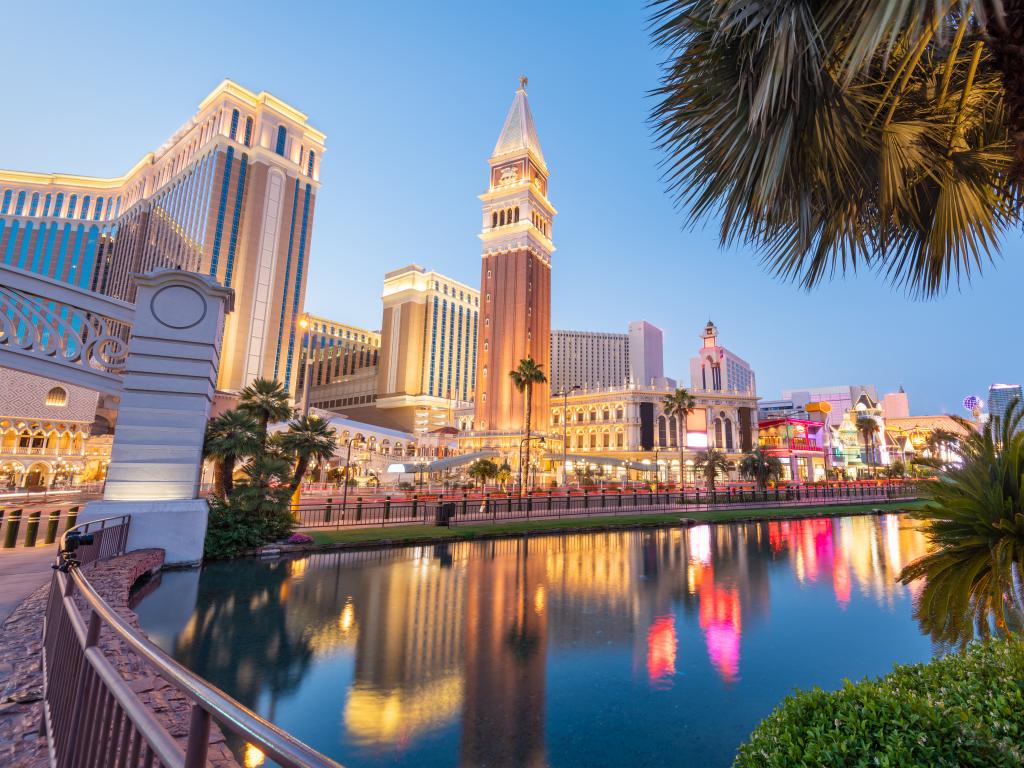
[[169, 380]]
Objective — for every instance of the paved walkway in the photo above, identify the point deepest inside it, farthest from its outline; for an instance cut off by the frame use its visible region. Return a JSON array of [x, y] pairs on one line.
[[22, 571]]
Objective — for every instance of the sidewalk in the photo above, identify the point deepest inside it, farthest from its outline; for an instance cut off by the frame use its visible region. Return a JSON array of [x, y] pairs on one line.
[[22, 571]]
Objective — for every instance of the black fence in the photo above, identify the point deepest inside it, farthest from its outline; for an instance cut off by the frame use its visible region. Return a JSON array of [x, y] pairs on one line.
[[454, 509]]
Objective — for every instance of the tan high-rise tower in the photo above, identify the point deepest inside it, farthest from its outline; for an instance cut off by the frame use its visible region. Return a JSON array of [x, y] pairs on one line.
[[515, 275]]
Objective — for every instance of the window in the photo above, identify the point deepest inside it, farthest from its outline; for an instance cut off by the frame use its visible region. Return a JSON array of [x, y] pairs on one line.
[[72, 202], [233, 132], [58, 204], [516, 213], [34, 204], [282, 134], [309, 163], [248, 131], [20, 205], [501, 219], [99, 209], [57, 397], [494, 221], [619, 440], [554, 418], [6, 203], [85, 207]]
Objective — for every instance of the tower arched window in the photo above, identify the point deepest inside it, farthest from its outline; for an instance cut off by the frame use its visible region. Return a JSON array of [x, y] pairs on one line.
[[494, 220], [718, 432], [508, 216], [501, 219], [516, 213], [248, 131], [728, 434], [233, 131], [282, 134]]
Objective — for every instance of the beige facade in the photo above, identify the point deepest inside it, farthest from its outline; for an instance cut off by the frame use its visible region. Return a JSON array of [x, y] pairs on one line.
[[428, 353], [231, 194]]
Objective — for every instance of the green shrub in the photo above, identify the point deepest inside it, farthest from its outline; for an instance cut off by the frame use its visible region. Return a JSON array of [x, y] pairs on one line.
[[962, 710], [233, 529]]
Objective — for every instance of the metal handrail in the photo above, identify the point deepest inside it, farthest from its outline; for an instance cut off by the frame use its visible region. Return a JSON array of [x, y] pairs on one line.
[[239, 719]]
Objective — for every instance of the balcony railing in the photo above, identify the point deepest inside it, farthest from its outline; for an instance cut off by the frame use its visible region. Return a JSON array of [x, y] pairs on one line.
[[94, 717], [25, 450], [789, 444]]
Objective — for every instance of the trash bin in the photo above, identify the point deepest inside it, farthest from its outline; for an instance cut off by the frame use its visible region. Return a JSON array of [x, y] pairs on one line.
[[445, 513]]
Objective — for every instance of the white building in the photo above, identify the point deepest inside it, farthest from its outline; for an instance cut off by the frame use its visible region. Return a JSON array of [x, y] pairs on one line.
[[842, 397], [716, 369], [646, 353], [593, 360]]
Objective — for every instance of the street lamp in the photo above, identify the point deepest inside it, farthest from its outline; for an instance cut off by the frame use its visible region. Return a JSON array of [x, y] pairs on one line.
[[565, 426], [306, 326], [522, 443]]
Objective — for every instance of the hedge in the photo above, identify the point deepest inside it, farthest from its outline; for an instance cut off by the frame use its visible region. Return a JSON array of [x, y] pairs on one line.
[[961, 710]]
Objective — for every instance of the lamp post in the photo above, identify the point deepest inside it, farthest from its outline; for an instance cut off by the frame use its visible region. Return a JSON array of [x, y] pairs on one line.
[[308, 369], [565, 426], [522, 443], [657, 470], [348, 463]]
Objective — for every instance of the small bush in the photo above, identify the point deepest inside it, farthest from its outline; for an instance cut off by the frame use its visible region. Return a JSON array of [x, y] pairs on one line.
[[299, 538], [233, 530], [962, 710]]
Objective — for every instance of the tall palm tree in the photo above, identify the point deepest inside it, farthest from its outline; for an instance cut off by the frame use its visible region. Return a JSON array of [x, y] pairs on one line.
[[524, 376], [847, 134], [974, 573], [711, 463], [940, 442], [267, 401], [868, 428], [680, 404], [761, 467], [483, 470], [230, 437], [307, 438]]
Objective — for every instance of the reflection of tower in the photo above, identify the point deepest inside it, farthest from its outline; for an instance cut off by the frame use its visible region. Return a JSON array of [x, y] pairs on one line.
[[505, 645], [515, 276]]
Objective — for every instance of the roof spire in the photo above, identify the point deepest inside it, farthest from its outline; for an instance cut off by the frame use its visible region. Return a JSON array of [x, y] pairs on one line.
[[523, 80], [519, 134]]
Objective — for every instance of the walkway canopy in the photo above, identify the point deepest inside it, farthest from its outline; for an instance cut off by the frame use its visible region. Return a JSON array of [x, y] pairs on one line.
[[607, 461], [440, 465]]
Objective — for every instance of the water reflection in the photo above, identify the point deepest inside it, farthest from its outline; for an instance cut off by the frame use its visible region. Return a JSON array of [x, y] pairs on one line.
[[454, 654]]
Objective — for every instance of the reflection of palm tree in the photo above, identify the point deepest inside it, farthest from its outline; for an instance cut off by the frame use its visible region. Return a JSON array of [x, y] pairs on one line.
[[974, 575]]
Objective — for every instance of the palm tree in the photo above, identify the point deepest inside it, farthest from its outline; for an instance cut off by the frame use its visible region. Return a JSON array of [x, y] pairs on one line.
[[307, 438], [940, 442], [847, 134], [868, 428], [974, 573], [267, 401], [483, 470], [680, 404], [504, 474], [232, 436], [710, 463], [760, 467], [524, 376]]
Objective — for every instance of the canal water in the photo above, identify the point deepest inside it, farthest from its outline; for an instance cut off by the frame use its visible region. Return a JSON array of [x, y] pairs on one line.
[[639, 648]]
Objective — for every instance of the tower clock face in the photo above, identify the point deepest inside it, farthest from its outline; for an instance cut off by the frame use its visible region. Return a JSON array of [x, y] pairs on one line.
[[509, 174]]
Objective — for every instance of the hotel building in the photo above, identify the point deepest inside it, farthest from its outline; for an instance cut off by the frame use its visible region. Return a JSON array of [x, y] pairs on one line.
[[230, 194], [592, 360], [344, 363], [999, 398]]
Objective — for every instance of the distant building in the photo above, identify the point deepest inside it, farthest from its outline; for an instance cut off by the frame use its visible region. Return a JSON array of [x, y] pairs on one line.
[[841, 397], [896, 405], [429, 332], [800, 445], [716, 369], [999, 398], [646, 353], [344, 364]]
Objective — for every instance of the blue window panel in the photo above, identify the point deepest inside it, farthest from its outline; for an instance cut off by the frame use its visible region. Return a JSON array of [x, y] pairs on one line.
[[85, 206], [458, 356], [234, 125], [82, 269], [298, 276], [222, 205], [34, 205], [106, 215], [9, 251], [6, 205], [20, 205], [117, 208], [444, 324], [67, 251], [25, 239], [37, 251], [309, 164], [99, 209], [58, 204], [72, 202], [287, 273], [43, 254], [248, 131], [46, 205], [243, 164], [282, 134]]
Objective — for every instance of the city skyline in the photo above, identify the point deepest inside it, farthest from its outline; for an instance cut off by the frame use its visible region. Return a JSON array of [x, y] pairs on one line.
[[622, 252]]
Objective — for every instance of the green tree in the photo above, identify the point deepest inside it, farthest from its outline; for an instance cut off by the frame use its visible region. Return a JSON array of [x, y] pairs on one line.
[[760, 467], [680, 404], [710, 463], [868, 428], [939, 443], [504, 474], [229, 438], [307, 438], [266, 401], [847, 134], [483, 470], [524, 376], [974, 521]]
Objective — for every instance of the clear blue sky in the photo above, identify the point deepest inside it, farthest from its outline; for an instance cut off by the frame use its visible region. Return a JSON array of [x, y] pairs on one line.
[[412, 97]]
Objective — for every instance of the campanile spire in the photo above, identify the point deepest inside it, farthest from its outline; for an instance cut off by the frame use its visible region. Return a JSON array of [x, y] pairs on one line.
[[515, 277]]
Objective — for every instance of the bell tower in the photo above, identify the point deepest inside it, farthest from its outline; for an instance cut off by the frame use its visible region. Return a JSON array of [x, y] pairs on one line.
[[515, 274]]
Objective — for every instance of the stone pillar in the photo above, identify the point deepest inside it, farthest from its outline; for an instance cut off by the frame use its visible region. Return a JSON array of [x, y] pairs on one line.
[[169, 381]]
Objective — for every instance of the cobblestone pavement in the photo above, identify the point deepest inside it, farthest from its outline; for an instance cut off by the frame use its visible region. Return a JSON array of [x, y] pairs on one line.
[[21, 746]]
